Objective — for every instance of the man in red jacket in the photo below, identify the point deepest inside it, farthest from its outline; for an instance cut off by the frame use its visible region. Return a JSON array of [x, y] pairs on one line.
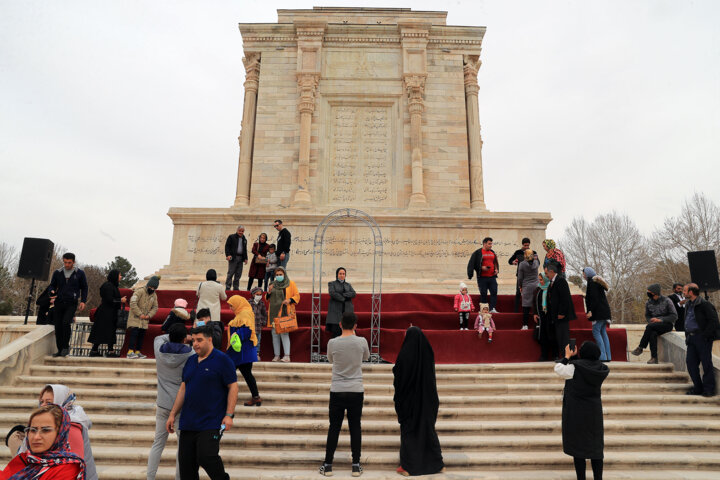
[[484, 262]]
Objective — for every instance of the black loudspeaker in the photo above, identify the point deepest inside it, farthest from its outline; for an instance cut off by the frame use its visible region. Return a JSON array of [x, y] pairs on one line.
[[35, 259], [703, 270]]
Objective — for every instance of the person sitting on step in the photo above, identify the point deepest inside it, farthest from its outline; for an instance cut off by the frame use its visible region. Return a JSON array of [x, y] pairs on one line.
[[661, 315], [485, 322], [178, 314]]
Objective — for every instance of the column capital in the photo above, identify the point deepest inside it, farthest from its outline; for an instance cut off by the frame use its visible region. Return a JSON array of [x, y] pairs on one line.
[[415, 88], [307, 83], [471, 66], [251, 61]]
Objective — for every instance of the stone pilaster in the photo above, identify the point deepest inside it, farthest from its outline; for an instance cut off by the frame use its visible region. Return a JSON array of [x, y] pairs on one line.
[[247, 131], [310, 37], [470, 69]]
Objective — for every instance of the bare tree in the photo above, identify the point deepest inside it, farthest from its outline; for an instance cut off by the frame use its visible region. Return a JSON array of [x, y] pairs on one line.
[[614, 247], [696, 228]]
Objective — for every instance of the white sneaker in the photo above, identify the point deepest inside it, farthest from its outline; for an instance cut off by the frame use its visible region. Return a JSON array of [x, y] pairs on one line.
[[525, 327], [285, 359], [494, 311], [276, 358], [131, 355], [140, 355]]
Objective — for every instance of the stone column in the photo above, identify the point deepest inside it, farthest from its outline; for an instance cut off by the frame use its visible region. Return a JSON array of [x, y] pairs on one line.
[[415, 87], [247, 130], [309, 39], [471, 66]]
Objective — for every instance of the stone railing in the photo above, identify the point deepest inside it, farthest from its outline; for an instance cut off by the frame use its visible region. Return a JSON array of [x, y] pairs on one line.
[[672, 349], [22, 346]]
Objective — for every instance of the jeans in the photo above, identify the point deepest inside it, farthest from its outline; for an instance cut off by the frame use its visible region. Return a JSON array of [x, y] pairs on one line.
[[699, 350], [283, 263], [63, 314], [161, 435], [600, 335], [137, 335], [652, 330], [269, 274], [352, 402], [235, 268], [201, 449], [277, 337], [485, 284], [246, 371]]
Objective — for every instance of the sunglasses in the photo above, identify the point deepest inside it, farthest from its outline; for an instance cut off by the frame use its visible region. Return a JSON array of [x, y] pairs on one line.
[[41, 430]]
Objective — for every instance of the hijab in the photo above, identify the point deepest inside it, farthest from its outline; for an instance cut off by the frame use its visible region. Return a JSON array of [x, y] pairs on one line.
[[544, 287], [211, 275], [58, 454], [337, 272], [260, 236], [416, 398], [276, 299], [589, 273], [244, 316], [113, 277]]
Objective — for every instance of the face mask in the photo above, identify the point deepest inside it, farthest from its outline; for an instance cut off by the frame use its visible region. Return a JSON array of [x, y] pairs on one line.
[[200, 323], [258, 298], [279, 278], [150, 290], [650, 295]]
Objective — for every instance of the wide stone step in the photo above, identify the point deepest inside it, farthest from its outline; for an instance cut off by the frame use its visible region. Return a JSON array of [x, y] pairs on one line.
[[113, 407], [342, 471], [369, 378]]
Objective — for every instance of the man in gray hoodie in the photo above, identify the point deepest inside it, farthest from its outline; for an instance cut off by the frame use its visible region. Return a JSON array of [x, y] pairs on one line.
[[660, 314], [171, 353]]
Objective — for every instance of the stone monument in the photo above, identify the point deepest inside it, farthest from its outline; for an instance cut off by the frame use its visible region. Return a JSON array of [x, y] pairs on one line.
[[368, 108]]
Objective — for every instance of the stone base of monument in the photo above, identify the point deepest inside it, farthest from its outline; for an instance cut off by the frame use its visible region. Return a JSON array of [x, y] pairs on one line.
[[422, 251]]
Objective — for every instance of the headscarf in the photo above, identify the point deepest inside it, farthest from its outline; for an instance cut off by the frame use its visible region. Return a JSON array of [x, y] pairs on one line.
[[113, 277], [260, 236], [58, 454], [589, 273], [589, 351], [211, 275], [550, 243], [244, 316], [337, 272], [66, 399], [276, 299], [544, 287], [416, 398]]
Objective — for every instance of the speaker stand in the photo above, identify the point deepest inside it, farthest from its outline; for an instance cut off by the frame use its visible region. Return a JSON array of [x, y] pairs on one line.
[[30, 297]]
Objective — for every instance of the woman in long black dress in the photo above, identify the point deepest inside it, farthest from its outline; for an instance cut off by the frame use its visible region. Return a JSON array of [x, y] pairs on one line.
[[583, 435], [416, 403], [105, 322]]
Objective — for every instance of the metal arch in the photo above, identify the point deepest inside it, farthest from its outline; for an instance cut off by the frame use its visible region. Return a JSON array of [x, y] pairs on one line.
[[330, 219]]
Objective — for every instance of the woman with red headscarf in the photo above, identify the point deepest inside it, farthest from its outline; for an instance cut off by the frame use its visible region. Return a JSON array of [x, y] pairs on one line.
[[49, 456]]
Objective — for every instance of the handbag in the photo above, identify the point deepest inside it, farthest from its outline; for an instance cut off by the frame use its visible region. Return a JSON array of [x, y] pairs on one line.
[[287, 322], [261, 261], [122, 318]]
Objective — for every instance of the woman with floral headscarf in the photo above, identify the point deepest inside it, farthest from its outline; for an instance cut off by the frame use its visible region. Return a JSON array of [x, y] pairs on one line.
[[554, 255], [49, 456]]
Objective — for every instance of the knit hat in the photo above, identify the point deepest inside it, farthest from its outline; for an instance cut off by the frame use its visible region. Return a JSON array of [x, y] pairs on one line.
[[181, 302], [654, 288], [462, 286], [483, 306], [154, 282], [589, 351], [256, 290], [589, 273]]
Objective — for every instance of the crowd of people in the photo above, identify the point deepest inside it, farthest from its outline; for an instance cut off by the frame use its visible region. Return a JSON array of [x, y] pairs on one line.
[[200, 400]]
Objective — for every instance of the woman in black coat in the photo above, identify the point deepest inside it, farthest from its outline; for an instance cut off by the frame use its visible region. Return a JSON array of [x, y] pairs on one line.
[[341, 296], [598, 311], [416, 403], [545, 327], [105, 322], [582, 416]]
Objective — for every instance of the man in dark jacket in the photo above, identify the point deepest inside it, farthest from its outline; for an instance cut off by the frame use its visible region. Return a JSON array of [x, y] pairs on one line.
[[701, 329], [237, 256], [678, 300], [284, 239], [560, 305], [68, 286], [484, 263], [660, 315]]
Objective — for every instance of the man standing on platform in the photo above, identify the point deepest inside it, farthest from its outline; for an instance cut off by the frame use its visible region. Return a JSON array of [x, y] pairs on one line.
[[68, 285], [282, 249], [236, 255], [515, 259], [560, 305], [678, 301], [484, 263], [660, 315], [701, 329], [207, 396]]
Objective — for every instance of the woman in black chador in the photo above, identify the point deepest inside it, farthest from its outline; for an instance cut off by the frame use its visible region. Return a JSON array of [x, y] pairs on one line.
[[416, 404], [582, 415], [105, 324]]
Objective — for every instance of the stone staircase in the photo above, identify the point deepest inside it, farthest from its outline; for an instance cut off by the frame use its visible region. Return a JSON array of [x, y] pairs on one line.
[[496, 421]]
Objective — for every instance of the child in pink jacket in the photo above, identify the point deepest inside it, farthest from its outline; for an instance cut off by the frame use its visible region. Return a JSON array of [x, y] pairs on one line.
[[484, 322], [463, 305]]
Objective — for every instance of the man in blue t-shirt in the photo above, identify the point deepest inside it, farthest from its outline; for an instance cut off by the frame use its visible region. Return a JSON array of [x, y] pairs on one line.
[[207, 396]]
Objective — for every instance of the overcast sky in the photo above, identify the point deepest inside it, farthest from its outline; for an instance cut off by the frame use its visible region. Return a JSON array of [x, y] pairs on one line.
[[111, 112]]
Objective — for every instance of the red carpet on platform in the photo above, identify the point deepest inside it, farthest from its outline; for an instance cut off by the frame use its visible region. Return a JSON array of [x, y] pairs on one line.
[[431, 312]]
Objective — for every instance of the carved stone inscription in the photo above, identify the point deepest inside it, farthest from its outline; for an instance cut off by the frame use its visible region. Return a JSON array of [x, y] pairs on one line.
[[360, 156]]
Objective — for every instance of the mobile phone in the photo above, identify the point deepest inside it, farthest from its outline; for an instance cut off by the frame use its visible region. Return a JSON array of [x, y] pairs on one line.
[[573, 343]]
